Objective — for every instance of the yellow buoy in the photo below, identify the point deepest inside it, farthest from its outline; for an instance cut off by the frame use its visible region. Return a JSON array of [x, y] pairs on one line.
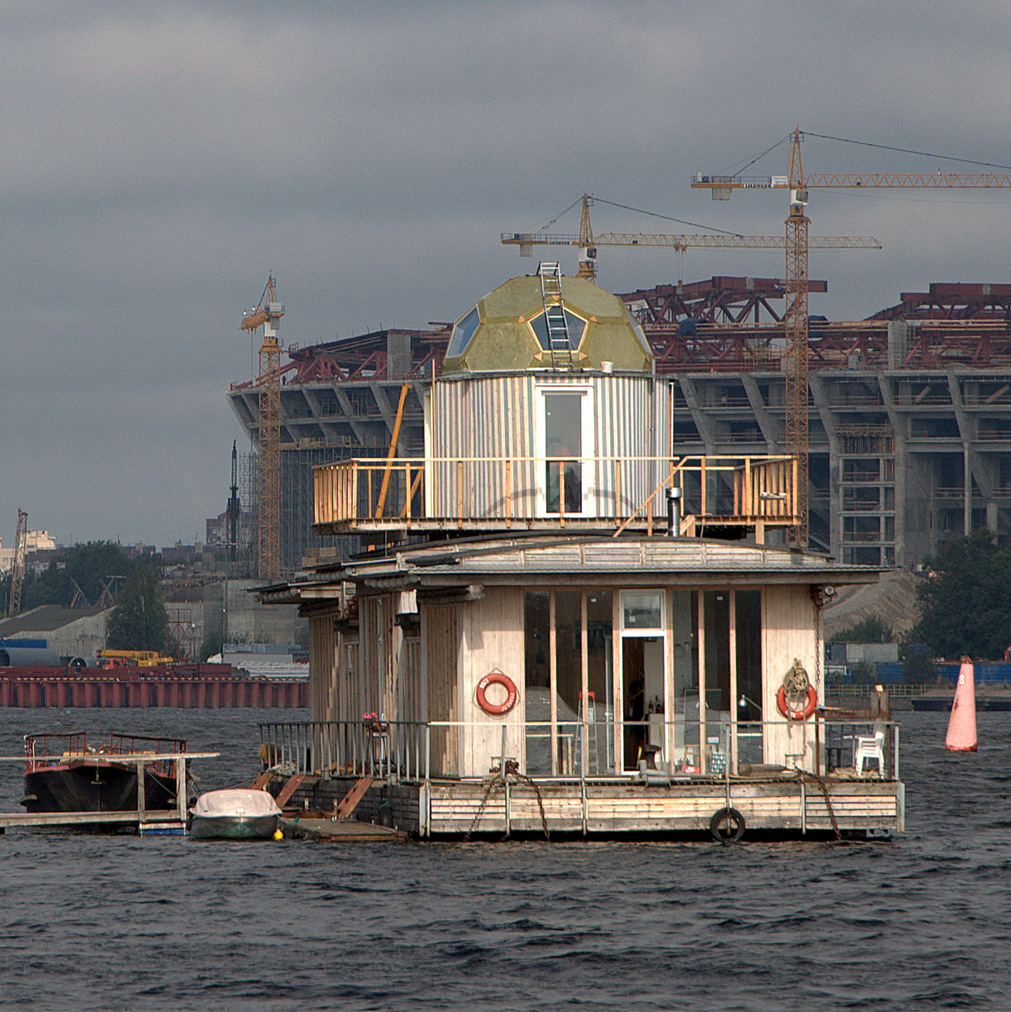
[[278, 835]]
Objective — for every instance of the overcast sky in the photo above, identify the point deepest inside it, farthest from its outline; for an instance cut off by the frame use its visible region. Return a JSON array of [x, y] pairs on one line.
[[158, 159]]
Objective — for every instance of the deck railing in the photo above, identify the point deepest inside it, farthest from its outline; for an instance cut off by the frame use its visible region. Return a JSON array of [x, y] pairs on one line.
[[413, 492], [415, 752]]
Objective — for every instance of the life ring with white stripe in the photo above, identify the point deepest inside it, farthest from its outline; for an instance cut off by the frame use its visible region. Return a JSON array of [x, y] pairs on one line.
[[497, 678], [784, 709]]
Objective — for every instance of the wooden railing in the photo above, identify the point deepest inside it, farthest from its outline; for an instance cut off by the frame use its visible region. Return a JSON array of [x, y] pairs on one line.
[[503, 491]]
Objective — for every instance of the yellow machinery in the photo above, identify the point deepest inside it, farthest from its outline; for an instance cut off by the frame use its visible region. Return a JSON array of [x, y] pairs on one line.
[[131, 659], [267, 314]]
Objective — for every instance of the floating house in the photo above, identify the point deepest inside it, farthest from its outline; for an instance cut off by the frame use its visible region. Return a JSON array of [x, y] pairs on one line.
[[563, 626]]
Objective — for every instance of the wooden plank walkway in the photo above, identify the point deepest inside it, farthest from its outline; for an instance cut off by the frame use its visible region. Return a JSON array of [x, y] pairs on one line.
[[12, 820], [341, 831]]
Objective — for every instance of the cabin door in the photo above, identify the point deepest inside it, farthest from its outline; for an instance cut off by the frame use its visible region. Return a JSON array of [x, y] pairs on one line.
[[565, 451], [643, 676]]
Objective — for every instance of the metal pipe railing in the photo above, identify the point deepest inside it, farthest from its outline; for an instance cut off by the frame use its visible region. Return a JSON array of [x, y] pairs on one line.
[[419, 752]]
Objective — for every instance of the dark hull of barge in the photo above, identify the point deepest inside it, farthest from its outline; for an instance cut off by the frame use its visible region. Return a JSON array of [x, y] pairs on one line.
[[95, 787]]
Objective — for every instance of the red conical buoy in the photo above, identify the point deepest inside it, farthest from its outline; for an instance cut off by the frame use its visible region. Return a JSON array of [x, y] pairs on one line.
[[961, 736]]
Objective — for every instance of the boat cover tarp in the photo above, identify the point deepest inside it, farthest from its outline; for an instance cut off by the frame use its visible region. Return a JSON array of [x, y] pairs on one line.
[[235, 801]]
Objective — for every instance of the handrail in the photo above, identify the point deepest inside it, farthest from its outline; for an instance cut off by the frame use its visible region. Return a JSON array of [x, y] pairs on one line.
[[615, 490], [402, 751]]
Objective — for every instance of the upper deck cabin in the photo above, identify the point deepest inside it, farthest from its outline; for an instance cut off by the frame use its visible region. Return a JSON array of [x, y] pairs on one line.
[[548, 415]]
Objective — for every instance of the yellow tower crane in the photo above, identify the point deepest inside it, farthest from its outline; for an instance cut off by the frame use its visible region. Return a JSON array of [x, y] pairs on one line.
[[588, 242], [798, 242], [267, 313]]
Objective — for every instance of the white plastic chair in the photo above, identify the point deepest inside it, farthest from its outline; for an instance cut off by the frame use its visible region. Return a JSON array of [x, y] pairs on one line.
[[867, 746]]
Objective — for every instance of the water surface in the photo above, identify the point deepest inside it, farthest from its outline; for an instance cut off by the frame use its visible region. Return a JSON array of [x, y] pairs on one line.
[[110, 922]]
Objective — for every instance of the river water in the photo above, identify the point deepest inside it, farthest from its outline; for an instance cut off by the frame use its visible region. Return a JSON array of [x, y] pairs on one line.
[[121, 922]]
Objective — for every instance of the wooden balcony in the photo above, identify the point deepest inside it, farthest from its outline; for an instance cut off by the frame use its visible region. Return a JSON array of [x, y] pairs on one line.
[[574, 494]]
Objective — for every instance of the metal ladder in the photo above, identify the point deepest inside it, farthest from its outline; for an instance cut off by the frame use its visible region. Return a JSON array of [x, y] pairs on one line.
[[559, 347]]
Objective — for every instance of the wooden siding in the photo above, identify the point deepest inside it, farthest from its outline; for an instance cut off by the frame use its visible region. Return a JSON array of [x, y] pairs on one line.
[[492, 640], [789, 632], [379, 643], [440, 678], [324, 662], [614, 809]]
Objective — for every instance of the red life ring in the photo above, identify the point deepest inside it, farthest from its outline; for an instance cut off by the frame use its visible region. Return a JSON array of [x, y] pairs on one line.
[[497, 678], [812, 703]]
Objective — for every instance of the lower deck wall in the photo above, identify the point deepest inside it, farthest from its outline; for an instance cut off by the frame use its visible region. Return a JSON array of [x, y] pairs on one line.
[[613, 809]]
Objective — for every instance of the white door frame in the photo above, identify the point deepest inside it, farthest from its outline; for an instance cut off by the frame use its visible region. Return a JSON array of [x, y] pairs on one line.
[[588, 451]]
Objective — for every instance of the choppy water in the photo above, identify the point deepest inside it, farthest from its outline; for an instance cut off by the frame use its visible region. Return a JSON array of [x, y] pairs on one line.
[[120, 922]]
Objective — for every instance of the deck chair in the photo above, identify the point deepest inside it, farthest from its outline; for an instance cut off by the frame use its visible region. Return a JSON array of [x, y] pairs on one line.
[[870, 746]]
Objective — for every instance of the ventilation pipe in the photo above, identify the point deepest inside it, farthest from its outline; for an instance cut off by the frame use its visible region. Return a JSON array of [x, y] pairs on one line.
[[673, 512]]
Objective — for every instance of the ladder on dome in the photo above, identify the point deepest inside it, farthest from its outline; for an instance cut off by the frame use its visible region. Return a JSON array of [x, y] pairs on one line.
[[559, 346]]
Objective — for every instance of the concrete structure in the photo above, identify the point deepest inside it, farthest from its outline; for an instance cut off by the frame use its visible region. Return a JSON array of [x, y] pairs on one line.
[[910, 421], [71, 632]]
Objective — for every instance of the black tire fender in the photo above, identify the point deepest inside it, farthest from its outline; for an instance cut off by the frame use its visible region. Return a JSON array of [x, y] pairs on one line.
[[727, 825]]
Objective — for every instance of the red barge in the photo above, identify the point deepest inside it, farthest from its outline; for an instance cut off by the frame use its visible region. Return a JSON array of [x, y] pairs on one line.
[[189, 686]]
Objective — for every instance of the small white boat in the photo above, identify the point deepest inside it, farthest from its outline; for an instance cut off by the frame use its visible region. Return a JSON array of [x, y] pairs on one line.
[[235, 813]]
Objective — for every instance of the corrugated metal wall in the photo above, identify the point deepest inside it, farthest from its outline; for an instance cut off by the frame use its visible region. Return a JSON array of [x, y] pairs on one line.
[[493, 416]]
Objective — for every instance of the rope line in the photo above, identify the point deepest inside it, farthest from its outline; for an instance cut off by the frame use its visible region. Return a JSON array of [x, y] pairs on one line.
[[498, 782]]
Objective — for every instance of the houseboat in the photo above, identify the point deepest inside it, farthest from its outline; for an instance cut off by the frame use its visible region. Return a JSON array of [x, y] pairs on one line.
[[559, 625]]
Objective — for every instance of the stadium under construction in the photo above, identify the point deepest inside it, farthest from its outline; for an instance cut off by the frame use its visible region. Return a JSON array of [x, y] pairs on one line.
[[910, 410]]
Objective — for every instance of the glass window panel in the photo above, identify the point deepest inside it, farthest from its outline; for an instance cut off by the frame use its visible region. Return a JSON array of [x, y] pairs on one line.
[[462, 333], [642, 610], [599, 679], [748, 630], [563, 438], [685, 650], [574, 325], [536, 623], [717, 618]]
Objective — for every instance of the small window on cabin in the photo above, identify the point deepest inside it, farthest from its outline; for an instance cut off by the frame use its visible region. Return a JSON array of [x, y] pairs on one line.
[[462, 333], [641, 611]]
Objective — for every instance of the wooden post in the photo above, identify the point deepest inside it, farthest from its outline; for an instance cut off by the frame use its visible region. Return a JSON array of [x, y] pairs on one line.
[[141, 795], [181, 789], [392, 453], [553, 682]]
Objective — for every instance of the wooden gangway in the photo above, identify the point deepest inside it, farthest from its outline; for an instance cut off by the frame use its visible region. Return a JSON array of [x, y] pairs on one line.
[[172, 820]]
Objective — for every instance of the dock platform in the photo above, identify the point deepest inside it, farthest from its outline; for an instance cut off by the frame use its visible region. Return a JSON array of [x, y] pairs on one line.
[[320, 830]]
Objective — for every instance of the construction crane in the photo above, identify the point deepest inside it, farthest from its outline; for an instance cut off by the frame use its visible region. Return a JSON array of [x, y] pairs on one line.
[[267, 313], [18, 568], [588, 242], [233, 508], [798, 242]]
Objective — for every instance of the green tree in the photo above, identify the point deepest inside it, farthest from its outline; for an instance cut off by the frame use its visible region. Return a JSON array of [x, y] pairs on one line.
[[139, 620], [89, 566], [965, 604]]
